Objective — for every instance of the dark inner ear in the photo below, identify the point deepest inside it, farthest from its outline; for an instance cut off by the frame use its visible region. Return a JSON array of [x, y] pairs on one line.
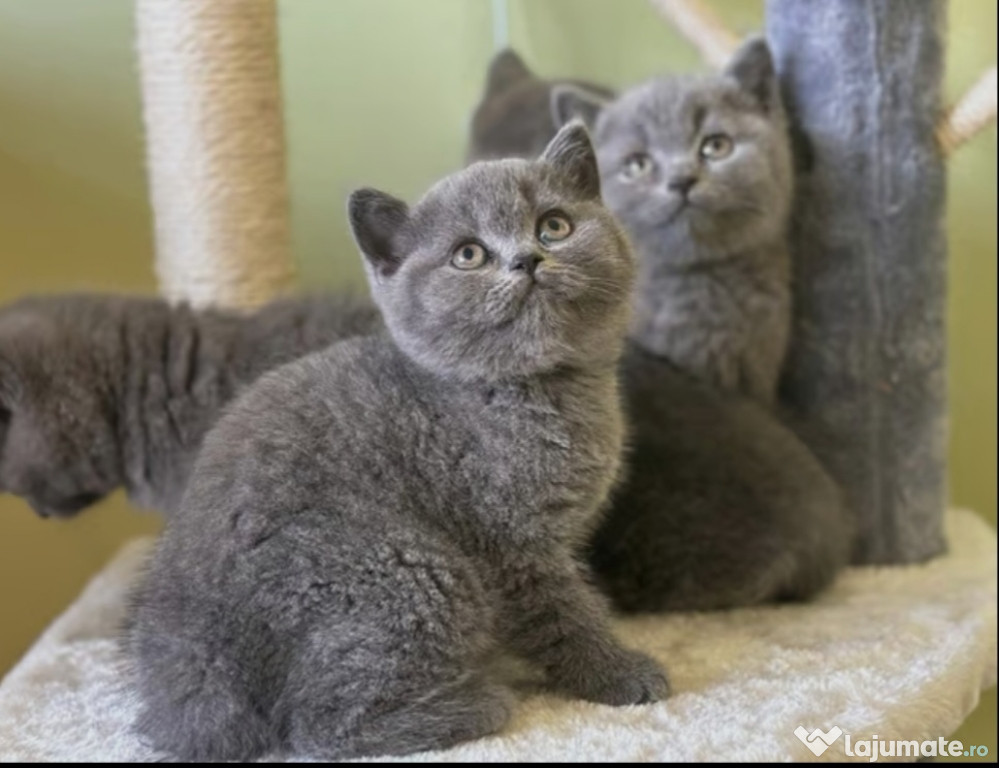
[[505, 69], [375, 219], [572, 155], [752, 67], [573, 102]]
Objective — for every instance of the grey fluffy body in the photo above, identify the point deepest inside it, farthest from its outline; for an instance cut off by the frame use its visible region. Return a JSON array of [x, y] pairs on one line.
[[367, 527]]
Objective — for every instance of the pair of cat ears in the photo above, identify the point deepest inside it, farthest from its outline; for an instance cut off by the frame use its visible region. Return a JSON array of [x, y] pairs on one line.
[[377, 218], [751, 67]]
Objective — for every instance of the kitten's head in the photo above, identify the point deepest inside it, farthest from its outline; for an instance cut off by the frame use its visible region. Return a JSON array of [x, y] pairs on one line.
[[58, 449], [506, 269], [701, 158], [513, 119]]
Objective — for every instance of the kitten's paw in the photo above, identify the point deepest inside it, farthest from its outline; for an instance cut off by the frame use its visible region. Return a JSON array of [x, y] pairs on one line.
[[630, 678]]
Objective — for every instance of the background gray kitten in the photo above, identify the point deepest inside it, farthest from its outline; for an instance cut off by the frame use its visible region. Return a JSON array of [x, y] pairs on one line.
[[98, 391], [514, 117], [722, 505], [699, 171], [367, 525]]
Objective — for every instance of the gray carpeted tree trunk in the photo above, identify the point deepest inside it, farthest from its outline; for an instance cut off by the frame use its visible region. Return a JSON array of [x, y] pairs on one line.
[[867, 363]]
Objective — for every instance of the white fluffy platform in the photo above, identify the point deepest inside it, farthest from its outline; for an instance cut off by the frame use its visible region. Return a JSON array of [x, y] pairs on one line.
[[899, 652]]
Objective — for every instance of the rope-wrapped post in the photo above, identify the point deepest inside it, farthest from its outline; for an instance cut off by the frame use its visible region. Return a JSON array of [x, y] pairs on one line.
[[215, 137], [702, 27], [973, 113], [867, 360]]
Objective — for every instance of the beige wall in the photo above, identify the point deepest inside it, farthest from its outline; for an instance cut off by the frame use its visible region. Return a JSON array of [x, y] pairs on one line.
[[369, 101]]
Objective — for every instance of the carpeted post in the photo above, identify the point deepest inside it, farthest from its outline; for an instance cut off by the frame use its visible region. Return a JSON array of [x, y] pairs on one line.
[[862, 79]]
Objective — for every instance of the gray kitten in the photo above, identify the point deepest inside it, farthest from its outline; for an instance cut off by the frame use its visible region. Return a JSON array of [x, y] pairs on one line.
[[367, 526], [514, 118], [98, 391], [699, 171], [721, 506]]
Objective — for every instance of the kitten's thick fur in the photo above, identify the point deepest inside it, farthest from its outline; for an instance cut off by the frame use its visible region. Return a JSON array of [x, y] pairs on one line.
[[710, 232], [366, 526], [513, 119], [97, 392]]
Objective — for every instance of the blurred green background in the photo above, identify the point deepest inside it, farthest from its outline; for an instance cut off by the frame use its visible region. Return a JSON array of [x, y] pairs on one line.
[[377, 92]]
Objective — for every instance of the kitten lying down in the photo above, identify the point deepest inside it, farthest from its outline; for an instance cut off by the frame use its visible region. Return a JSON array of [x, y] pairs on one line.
[[368, 525]]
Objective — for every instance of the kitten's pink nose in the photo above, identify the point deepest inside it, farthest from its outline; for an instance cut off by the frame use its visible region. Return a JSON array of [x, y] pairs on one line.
[[527, 262]]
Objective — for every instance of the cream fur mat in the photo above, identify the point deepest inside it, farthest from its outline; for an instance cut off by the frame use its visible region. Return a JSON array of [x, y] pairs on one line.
[[900, 652]]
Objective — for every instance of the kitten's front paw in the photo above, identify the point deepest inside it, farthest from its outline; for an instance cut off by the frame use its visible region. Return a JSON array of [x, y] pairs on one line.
[[629, 678]]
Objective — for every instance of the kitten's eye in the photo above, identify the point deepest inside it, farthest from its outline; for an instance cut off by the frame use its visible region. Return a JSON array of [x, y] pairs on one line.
[[469, 256], [554, 227], [716, 147], [637, 165]]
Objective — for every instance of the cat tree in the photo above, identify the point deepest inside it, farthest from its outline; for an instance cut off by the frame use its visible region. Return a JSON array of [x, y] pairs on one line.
[[901, 652]]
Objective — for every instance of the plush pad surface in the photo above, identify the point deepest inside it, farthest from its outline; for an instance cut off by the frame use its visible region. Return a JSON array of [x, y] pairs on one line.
[[901, 652]]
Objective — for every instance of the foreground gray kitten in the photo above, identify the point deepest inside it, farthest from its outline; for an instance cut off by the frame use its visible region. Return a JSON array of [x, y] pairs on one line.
[[514, 118], [367, 526], [699, 171]]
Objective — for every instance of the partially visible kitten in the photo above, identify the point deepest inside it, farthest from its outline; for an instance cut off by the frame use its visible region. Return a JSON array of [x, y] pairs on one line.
[[514, 118], [101, 391], [699, 171], [721, 505], [366, 526]]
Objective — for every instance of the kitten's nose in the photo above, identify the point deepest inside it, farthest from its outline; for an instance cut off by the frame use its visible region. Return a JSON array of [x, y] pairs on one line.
[[527, 262], [682, 184]]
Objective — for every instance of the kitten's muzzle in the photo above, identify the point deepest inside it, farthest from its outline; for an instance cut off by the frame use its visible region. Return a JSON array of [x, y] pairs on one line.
[[526, 263], [681, 184], [67, 507]]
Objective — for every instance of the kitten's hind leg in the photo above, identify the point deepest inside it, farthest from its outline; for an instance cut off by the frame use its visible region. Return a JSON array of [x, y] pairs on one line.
[[201, 699], [396, 662], [450, 713]]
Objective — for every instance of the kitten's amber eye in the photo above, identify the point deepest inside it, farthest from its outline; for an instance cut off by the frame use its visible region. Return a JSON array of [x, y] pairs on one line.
[[554, 227], [469, 256], [716, 147], [637, 165]]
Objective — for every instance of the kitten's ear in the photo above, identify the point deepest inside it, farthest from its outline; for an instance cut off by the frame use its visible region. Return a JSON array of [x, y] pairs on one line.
[[375, 219], [572, 155], [575, 102], [505, 69], [752, 67]]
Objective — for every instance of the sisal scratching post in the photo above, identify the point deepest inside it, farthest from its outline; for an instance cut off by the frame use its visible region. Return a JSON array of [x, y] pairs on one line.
[[702, 27], [867, 360], [973, 113], [215, 138]]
